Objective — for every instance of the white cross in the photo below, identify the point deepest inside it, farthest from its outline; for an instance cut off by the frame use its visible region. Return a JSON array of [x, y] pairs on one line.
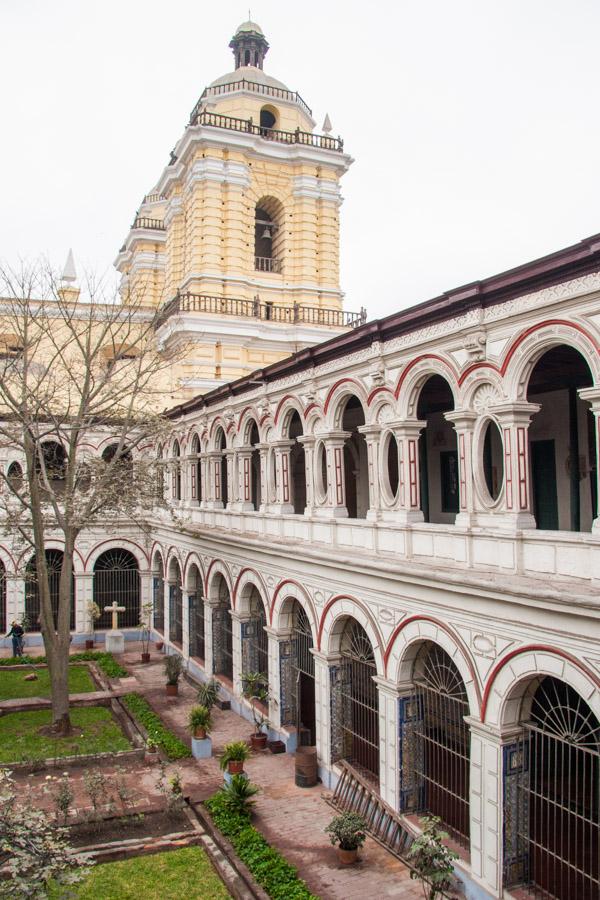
[[114, 609]]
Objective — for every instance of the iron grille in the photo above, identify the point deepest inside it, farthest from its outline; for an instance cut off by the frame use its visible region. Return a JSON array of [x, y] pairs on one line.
[[117, 577], [258, 641], [197, 641], [158, 596], [222, 634], [558, 796], [2, 598], [176, 613], [54, 560], [359, 700], [443, 764], [303, 672]]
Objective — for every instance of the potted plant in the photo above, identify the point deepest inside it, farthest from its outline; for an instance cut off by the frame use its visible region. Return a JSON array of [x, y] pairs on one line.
[[145, 627], [432, 862], [93, 611], [151, 750], [173, 670], [234, 756], [348, 831], [199, 721], [208, 693], [256, 690]]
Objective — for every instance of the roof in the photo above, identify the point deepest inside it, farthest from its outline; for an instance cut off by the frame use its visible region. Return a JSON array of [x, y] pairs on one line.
[[249, 73], [563, 265], [249, 27]]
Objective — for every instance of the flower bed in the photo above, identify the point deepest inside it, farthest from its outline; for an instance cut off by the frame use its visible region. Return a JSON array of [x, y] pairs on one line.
[[270, 869], [157, 732]]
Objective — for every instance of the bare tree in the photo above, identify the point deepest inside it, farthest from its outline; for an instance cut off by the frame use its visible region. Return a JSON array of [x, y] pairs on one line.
[[71, 373]]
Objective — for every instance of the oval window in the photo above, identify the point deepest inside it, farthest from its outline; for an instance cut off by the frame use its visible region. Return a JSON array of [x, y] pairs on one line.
[[391, 474], [493, 460], [321, 473]]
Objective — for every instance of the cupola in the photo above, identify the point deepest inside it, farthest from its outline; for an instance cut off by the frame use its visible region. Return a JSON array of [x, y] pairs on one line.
[[249, 45]]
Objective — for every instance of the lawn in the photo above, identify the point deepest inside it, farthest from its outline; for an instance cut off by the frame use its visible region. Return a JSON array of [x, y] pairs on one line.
[[12, 684], [95, 731], [163, 876]]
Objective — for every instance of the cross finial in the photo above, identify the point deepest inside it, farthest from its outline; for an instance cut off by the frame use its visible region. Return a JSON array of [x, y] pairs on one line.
[[114, 608]]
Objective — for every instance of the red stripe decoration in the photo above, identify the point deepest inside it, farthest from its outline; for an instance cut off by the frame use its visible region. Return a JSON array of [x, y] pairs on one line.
[[285, 478], [522, 460], [463, 472], [508, 468], [247, 479], [412, 472], [217, 479], [339, 486]]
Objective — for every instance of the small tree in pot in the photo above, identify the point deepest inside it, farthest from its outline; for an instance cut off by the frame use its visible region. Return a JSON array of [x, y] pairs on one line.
[[145, 627], [93, 611], [348, 831], [173, 670], [432, 860], [208, 693], [200, 722], [255, 689], [234, 756]]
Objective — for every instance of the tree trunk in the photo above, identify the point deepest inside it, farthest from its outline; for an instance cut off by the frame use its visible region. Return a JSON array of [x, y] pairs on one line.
[[57, 655]]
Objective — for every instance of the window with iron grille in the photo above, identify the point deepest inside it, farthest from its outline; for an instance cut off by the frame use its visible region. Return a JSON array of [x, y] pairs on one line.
[[117, 578], [222, 633], [255, 653], [303, 674], [54, 560], [176, 606], [552, 835], [158, 597], [358, 705]]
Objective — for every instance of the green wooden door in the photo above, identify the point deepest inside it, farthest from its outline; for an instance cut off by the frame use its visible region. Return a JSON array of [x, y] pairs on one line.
[[543, 475]]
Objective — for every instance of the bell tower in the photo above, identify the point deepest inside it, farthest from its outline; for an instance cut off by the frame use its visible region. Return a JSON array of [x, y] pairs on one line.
[[239, 239]]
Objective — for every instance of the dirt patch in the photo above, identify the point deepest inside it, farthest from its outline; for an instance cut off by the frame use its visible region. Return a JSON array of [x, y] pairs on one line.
[[130, 827]]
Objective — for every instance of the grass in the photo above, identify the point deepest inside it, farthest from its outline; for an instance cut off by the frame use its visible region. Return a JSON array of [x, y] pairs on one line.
[[162, 876], [95, 731], [105, 661], [144, 715], [12, 684]]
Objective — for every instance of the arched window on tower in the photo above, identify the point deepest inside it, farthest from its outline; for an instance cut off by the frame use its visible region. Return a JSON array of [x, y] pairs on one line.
[[268, 120], [268, 235]]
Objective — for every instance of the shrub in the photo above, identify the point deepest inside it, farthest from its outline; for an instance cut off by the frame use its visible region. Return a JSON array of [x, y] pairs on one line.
[[237, 795], [208, 693], [200, 718], [173, 668], [431, 859], [278, 878], [157, 733], [347, 830], [236, 751]]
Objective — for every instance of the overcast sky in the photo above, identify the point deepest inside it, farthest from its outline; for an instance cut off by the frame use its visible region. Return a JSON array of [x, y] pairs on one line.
[[474, 125]]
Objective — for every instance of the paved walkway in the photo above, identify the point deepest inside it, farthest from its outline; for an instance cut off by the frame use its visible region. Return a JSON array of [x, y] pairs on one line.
[[291, 818]]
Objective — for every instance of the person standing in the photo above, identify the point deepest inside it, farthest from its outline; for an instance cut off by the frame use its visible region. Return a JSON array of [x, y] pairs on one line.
[[16, 633]]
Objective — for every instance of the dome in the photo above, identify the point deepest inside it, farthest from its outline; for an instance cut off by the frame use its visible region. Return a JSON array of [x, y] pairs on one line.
[[250, 73], [249, 26]]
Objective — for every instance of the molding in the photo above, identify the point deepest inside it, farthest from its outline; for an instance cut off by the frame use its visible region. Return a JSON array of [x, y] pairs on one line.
[[218, 170], [316, 188]]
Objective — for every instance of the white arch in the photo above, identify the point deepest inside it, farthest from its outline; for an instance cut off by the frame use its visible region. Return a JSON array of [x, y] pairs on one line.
[[334, 620], [284, 596], [117, 544], [414, 381], [246, 580]]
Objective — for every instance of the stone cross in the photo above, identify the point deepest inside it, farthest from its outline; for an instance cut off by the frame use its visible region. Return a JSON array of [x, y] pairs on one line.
[[114, 609]]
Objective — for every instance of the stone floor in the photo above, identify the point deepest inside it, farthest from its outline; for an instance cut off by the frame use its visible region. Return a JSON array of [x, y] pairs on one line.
[[291, 818]]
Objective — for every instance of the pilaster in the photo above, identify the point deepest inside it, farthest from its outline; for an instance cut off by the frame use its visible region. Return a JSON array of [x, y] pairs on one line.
[[464, 425], [514, 419], [409, 492]]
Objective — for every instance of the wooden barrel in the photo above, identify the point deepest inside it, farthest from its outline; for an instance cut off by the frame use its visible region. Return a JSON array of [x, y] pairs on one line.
[[306, 766]]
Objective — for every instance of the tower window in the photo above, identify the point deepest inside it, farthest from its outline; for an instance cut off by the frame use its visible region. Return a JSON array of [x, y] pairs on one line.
[[268, 119]]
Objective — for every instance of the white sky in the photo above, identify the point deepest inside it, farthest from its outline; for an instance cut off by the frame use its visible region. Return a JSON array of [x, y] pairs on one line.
[[474, 125]]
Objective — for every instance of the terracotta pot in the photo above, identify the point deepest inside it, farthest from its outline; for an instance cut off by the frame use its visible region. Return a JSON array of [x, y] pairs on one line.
[[159, 645], [145, 657], [89, 645], [200, 733], [235, 766], [347, 857], [258, 741], [172, 690]]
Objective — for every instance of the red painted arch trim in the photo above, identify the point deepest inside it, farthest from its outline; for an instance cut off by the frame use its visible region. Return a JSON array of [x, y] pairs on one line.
[[281, 403], [333, 601], [451, 634], [192, 559], [334, 388], [309, 408], [157, 548], [243, 413], [214, 562], [10, 556], [263, 588], [419, 359], [378, 390], [216, 422], [533, 648], [522, 337], [279, 588]]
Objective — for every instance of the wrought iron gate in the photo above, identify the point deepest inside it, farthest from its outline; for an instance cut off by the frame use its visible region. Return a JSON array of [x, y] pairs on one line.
[[54, 560], [197, 644], [176, 613], [556, 804], [117, 577], [303, 669], [222, 634], [443, 764], [255, 649], [358, 706], [158, 597]]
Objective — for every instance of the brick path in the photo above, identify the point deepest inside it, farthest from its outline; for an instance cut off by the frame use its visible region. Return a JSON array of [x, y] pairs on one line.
[[291, 818]]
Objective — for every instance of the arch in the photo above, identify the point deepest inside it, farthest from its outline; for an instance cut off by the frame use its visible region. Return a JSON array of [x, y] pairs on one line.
[[287, 403], [511, 677], [286, 591], [193, 559], [217, 424], [135, 549], [220, 597], [54, 561], [194, 584], [174, 578], [269, 237], [414, 375], [331, 626], [337, 398], [437, 449], [402, 649], [246, 579], [245, 419], [117, 579], [217, 567]]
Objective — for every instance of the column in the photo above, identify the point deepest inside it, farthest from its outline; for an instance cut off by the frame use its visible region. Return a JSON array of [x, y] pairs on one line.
[[592, 396], [323, 710], [84, 595], [513, 419], [283, 503], [185, 627], [464, 425], [279, 678], [237, 621], [265, 491], [192, 492], [388, 741], [232, 494], [167, 608], [244, 479], [332, 502], [308, 440], [497, 763], [209, 661], [372, 435], [409, 491]]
